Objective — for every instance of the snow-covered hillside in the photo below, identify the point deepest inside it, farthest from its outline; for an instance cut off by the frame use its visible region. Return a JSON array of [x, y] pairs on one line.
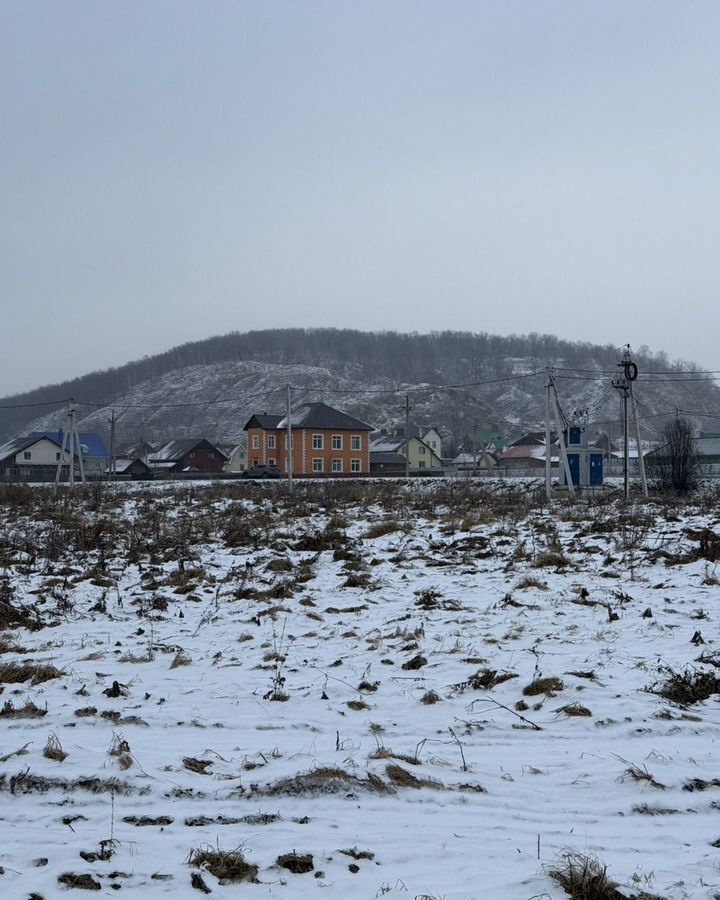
[[215, 400], [428, 691], [455, 381]]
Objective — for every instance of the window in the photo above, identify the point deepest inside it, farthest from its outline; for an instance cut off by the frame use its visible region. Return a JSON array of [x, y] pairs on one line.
[[256, 442], [355, 465], [318, 464], [256, 461], [271, 441], [337, 442], [337, 465], [421, 464], [292, 442], [318, 442], [211, 455], [355, 442], [272, 461], [57, 456], [421, 448], [192, 454], [27, 455]]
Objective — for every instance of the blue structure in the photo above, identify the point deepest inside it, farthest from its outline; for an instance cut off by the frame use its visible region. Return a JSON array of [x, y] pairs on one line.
[[586, 466]]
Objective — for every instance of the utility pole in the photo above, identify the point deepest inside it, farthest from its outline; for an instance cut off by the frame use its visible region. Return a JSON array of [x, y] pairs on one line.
[[474, 446], [548, 459], [624, 386], [561, 441], [113, 420], [407, 435], [71, 438], [288, 440]]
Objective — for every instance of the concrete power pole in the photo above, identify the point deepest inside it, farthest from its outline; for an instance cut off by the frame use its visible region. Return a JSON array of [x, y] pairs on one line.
[[624, 386], [407, 435], [548, 459], [113, 420], [71, 439], [288, 440]]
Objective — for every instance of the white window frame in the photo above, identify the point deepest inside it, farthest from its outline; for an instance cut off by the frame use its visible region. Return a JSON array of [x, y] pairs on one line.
[[272, 461], [292, 442], [318, 464], [337, 442], [318, 442], [356, 442], [256, 442], [27, 454], [271, 442], [356, 465], [337, 465]]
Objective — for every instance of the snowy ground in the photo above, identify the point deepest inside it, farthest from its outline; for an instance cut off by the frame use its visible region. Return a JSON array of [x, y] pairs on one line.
[[251, 672]]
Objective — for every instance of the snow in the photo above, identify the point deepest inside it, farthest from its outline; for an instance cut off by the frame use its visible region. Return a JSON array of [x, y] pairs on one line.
[[550, 781]]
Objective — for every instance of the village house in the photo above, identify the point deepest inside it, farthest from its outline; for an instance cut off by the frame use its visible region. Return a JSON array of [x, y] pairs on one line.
[[31, 458], [324, 441], [190, 455], [130, 467], [421, 457], [94, 452], [236, 457]]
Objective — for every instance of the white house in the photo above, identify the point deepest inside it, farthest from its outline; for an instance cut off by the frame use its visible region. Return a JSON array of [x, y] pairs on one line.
[[433, 440], [29, 456]]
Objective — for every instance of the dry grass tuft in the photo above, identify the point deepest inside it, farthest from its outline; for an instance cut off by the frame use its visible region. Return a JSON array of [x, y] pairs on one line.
[[699, 784], [120, 750], [402, 778], [27, 711], [688, 687], [130, 657], [84, 881], [386, 753], [531, 582], [430, 697], [357, 705], [35, 673], [380, 529], [549, 686], [180, 659], [417, 662], [357, 854], [297, 863], [636, 773], [485, 679], [584, 878], [551, 559], [53, 749], [228, 866], [323, 780], [575, 709], [199, 766], [645, 810]]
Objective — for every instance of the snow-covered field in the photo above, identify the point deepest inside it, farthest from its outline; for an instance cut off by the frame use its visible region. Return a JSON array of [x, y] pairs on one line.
[[434, 691]]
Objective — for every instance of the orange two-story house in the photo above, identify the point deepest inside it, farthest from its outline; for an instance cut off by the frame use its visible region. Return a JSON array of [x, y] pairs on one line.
[[325, 441]]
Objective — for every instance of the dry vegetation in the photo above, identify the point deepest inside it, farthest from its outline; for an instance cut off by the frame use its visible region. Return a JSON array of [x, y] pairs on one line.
[[358, 657]]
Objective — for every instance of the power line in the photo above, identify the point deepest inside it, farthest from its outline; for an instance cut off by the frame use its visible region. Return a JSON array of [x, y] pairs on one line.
[[33, 405]]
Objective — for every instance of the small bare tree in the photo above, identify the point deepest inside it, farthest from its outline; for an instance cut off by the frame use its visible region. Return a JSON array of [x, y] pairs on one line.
[[675, 465]]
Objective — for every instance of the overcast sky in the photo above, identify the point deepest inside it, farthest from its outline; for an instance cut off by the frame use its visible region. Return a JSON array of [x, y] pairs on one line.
[[173, 170]]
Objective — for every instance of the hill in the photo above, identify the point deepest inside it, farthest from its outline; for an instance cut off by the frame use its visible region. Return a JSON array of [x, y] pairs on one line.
[[456, 381]]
